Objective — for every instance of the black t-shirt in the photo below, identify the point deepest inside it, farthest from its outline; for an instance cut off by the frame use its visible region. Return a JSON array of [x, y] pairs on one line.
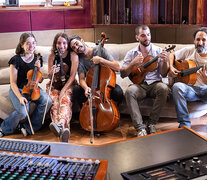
[[22, 68]]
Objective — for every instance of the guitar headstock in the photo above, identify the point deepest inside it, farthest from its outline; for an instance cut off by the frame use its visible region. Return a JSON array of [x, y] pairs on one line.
[[170, 48]]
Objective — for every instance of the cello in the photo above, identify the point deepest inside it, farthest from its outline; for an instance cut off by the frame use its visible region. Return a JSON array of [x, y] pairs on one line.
[[99, 112], [149, 64]]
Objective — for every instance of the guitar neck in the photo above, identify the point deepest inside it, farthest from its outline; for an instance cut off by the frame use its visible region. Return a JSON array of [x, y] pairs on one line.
[[187, 72], [150, 62]]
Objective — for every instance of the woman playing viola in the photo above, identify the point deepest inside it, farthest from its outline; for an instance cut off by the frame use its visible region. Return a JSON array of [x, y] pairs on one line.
[[61, 111], [24, 60]]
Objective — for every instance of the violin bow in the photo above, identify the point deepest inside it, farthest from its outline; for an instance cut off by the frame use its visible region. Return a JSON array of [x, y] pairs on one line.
[[43, 120], [30, 124], [91, 118]]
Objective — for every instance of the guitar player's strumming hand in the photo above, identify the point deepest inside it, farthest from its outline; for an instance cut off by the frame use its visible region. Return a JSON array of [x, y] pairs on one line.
[[203, 74], [173, 72]]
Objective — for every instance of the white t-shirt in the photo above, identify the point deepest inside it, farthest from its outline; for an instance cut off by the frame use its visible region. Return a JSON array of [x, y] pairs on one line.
[[190, 53]]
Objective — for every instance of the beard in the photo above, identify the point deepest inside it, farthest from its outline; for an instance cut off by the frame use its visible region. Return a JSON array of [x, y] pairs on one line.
[[81, 49], [200, 49], [145, 43]]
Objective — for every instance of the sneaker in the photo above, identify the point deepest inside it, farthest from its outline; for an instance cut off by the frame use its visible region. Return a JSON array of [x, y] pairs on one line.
[[1, 134], [142, 132], [152, 129], [56, 128], [22, 130], [65, 135]]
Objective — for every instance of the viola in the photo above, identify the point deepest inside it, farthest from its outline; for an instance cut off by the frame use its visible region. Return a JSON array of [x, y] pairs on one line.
[[60, 78], [102, 114], [149, 64], [187, 70], [34, 76]]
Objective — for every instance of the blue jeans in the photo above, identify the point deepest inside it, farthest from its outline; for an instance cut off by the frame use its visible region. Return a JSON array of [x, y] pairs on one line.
[[10, 124], [181, 94]]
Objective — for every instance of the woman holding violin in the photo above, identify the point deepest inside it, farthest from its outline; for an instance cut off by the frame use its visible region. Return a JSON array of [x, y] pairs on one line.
[[62, 68], [23, 62], [152, 85]]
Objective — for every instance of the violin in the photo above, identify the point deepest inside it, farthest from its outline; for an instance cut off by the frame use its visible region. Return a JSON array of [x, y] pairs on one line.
[[188, 71], [100, 112], [149, 64], [60, 78], [33, 76]]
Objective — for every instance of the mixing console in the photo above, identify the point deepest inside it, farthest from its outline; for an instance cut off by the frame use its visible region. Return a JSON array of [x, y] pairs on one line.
[[194, 167], [29, 166]]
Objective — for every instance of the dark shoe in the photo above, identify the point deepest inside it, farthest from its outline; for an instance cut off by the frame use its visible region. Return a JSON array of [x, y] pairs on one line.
[[1, 120], [56, 128], [141, 132], [152, 129], [65, 135]]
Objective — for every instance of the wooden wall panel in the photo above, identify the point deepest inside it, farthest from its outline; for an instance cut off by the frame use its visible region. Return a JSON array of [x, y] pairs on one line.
[[177, 12], [121, 11], [113, 12], [200, 11], [147, 11], [169, 13], [192, 11], [154, 12]]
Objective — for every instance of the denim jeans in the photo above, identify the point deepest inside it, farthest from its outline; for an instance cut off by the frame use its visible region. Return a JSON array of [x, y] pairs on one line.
[[136, 92], [10, 124], [181, 94]]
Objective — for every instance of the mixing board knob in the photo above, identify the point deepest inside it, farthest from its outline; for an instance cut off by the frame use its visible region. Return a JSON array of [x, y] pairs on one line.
[[198, 170], [183, 164], [178, 162]]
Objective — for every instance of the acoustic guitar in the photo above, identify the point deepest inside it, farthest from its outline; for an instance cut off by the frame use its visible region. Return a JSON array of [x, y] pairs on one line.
[[188, 71], [149, 64]]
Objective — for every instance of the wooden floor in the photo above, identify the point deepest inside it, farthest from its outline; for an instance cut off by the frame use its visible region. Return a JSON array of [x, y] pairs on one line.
[[124, 131]]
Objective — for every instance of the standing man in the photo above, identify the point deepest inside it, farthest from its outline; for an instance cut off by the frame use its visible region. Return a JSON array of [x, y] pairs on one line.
[[184, 92], [152, 85]]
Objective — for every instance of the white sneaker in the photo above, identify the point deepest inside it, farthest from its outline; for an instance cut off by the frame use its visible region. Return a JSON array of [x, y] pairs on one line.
[[23, 131], [142, 132], [1, 134]]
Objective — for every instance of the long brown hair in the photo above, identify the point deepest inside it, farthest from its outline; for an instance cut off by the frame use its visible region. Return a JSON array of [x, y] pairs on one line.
[[22, 40], [63, 35]]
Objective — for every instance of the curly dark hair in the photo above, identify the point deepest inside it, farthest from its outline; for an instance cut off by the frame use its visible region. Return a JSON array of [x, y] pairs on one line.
[[22, 40], [71, 38]]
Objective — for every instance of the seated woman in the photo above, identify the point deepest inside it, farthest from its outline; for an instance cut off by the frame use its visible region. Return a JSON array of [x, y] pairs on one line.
[[63, 77], [24, 60]]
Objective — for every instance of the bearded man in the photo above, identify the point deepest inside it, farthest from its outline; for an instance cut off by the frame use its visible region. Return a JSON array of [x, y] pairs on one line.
[[151, 86], [185, 92]]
